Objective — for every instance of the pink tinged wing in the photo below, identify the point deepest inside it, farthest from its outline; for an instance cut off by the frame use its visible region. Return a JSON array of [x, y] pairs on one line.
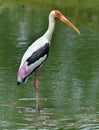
[[23, 72]]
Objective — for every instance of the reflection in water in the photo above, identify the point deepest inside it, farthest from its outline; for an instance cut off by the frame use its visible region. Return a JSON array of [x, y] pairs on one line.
[[69, 86], [22, 32]]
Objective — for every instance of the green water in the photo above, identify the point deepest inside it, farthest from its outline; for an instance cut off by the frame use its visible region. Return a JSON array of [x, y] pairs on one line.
[[69, 80]]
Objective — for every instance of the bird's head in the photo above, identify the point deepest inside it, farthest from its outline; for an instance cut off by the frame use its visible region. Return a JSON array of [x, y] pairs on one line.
[[58, 15]]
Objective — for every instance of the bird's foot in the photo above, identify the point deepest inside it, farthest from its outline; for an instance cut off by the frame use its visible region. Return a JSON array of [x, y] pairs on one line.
[[37, 109]]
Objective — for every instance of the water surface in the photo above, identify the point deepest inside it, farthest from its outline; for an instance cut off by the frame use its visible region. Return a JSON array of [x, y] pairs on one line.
[[69, 80]]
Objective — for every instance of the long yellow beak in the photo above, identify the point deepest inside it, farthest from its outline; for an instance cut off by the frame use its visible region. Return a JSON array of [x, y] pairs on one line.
[[60, 16], [65, 20]]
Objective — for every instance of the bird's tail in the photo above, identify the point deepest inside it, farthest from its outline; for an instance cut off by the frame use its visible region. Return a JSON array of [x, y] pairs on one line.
[[22, 74]]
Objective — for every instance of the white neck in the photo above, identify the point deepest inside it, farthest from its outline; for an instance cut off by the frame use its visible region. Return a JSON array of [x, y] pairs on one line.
[[50, 29]]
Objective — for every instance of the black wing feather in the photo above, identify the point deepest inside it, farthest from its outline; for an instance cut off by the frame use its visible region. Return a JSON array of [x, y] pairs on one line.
[[38, 54]]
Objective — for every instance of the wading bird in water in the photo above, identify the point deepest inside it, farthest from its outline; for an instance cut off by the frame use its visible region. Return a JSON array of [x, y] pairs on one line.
[[38, 52]]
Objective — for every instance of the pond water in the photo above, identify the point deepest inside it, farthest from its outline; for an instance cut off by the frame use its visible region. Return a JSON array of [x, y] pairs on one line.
[[69, 80]]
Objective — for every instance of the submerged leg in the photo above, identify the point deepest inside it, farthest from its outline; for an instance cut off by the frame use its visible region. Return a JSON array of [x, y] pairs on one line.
[[36, 78]]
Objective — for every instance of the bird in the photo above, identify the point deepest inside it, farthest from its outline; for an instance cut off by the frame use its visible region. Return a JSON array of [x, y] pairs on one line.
[[37, 53]]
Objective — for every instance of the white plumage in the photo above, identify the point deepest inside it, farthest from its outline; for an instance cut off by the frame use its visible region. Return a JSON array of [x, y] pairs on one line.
[[34, 46], [37, 45]]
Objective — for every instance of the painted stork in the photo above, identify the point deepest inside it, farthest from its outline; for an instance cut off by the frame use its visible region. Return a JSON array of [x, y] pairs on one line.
[[38, 52]]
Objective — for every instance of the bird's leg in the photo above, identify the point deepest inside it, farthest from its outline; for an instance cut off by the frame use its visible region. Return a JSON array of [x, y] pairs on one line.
[[36, 78]]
